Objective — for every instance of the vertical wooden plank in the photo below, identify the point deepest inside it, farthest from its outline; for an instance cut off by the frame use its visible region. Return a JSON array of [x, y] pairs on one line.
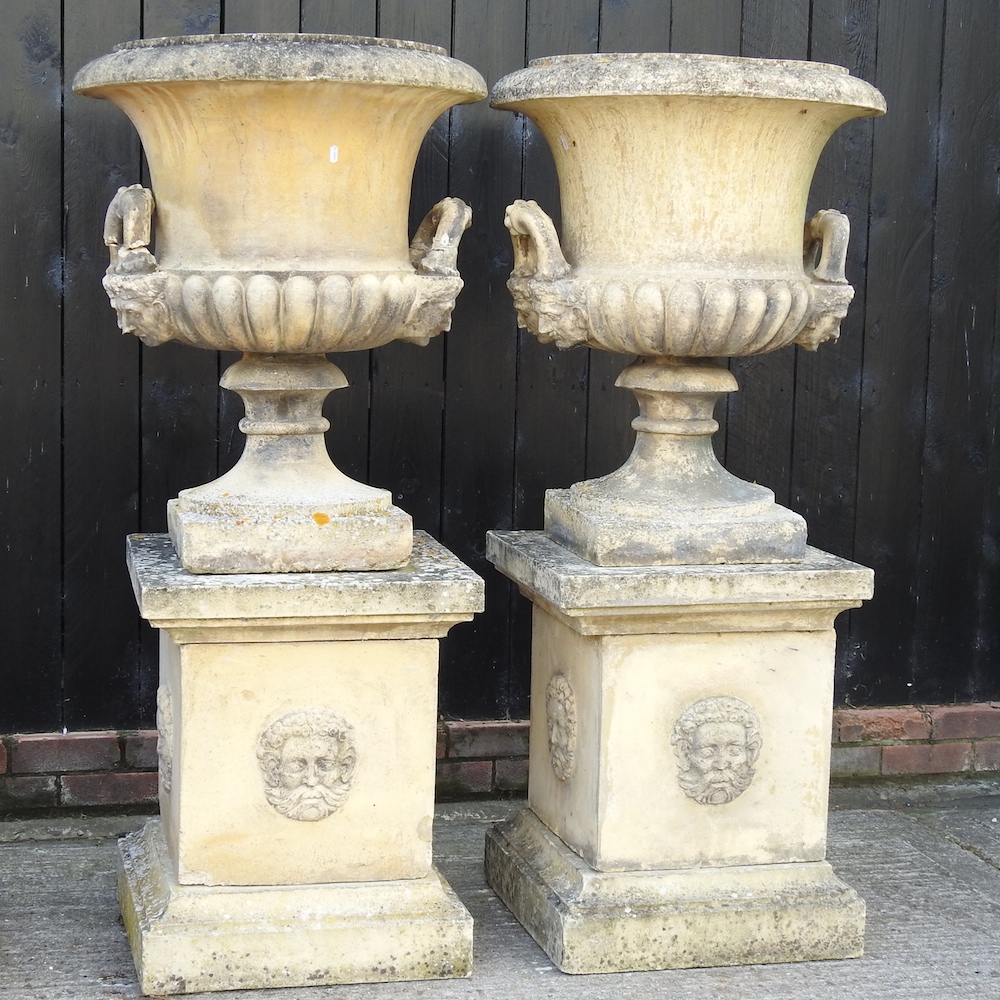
[[876, 669], [551, 402], [181, 398], [635, 25], [407, 393], [260, 15], [626, 26], [30, 365], [341, 17], [550, 439], [827, 389], [707, 26], [481, 356], [953, 585], [759, 416], [827, 401], [103, 685], [348, 410], [245, 16], [180, 383]]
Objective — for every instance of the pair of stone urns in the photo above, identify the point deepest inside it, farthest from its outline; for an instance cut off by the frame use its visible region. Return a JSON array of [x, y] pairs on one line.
[[683, 638]]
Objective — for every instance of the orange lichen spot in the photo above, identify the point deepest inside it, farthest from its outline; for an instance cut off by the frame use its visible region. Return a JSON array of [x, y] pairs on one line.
[[321, 518]]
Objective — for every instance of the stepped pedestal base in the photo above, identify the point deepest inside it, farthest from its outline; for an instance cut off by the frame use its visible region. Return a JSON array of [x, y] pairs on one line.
[[589, 921], [297, 716], [679, 762], [193, 939]]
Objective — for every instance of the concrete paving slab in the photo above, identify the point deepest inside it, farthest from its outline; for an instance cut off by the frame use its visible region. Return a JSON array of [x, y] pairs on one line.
[[930, 875]]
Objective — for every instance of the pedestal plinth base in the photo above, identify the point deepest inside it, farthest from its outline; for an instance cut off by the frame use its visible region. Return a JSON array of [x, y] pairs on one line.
[[667, 534], [288, 538], [192, 939], [588, 921]]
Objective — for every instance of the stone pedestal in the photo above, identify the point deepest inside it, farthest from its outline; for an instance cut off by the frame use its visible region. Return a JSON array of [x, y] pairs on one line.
[[297, 717], [679, 762]]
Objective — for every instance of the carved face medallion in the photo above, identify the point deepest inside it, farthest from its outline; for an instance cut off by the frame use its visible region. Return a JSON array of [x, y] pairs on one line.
[[560, 724], [307, 759], [716, 742]]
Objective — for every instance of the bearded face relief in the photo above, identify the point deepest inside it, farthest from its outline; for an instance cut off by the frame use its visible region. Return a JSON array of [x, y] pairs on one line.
[[716, 742], [307, 760], [560, 724]]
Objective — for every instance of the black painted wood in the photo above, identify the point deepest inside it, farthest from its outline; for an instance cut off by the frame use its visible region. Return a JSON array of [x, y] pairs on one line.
[[758, 442], [407, 386], [101, 400], [885, 441], [481, 358], [31, 282], [893, 380], [348, 410], [955, 585], [628, 26]]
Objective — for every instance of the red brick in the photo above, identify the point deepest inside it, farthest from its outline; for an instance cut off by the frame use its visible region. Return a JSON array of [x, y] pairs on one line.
[[965, 722], [934, 758], [54, 753], [987, 755], [512, 774], [115, 789], [456, 778], [855, 762], [30, 791], [487, 739], [140, 750], [3, 758], [872, 725]]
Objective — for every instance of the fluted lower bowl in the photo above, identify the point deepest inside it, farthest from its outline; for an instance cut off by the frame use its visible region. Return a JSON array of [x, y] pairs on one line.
[[281, 313], [679, 316]]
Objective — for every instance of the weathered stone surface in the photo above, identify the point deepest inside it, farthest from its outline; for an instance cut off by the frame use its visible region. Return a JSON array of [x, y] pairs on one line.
[[283, 256], [616, 600], [251, 666], [679, 741], [192, 939], [683, 186], [683, 183], [423, 599], [590, 922]]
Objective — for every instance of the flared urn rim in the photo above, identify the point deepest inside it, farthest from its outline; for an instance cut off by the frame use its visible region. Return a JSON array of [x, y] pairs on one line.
[[665, 74], [281, 58]]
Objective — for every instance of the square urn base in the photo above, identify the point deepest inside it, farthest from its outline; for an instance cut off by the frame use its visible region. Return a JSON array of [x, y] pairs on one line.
[[193, 939], [297, 718], [679, 762], [588, 921]]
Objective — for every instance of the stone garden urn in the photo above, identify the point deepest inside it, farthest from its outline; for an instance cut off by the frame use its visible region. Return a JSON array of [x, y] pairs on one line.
[[683, 181], [280, 168]]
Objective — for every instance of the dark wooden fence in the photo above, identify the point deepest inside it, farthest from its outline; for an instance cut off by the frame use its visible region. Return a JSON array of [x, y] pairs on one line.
[[886, 441]]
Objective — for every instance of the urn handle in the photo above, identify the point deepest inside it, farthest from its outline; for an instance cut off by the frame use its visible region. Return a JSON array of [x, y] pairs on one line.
[[128, 231], [827, 235], [434, 249], [537, 253]]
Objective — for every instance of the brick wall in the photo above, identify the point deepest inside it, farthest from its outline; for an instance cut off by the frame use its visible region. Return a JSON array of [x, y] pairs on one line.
[[77, 770], [117, 769], [919, 740]]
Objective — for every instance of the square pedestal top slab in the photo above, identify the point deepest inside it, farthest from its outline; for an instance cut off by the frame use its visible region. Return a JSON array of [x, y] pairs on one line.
[[725, 597], [433, 586]]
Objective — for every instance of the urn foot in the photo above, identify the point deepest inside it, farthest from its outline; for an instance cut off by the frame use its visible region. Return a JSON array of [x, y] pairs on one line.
[[672, 503], [284, 507]]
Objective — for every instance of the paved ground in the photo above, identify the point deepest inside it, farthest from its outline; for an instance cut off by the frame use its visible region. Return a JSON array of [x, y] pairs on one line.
[[930, 873]]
